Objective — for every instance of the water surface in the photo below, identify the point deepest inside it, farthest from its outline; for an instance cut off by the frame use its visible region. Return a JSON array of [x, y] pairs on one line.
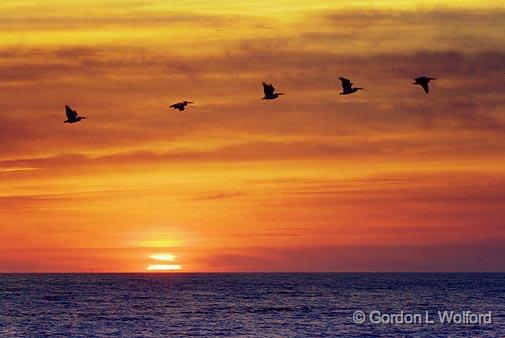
[[259, 304]]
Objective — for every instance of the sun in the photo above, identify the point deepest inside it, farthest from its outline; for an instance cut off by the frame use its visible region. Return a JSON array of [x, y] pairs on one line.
[[164, 257], [164, 267]]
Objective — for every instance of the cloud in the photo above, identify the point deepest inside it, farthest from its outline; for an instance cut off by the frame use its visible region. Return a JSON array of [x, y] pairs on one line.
[[367, 258], [217, 196], [136, 19]]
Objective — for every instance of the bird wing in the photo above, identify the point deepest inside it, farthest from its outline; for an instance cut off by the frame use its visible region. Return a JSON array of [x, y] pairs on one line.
[[346, 84], [71, 114], [426, 87], [420, 79], [268, 89]]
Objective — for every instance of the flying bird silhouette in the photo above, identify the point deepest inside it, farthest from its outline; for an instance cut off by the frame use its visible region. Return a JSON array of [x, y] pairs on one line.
[[347, 87], [423, 82], [269, 91], [72, 116], [180, 105]]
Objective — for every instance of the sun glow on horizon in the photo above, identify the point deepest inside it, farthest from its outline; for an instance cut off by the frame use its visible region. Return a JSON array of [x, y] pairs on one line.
[[164, 267]]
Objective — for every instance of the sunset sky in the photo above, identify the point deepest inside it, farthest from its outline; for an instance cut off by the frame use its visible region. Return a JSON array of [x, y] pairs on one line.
[[388, 179]]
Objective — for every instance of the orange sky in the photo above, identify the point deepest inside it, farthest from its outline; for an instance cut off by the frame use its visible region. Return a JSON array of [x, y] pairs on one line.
[[388, 179]]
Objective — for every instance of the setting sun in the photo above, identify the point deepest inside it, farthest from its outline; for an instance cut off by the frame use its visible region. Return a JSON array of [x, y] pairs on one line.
[[163, 257], [164, 267]]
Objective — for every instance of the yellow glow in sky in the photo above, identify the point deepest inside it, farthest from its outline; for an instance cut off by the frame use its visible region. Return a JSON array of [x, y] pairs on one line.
[[163, 257]]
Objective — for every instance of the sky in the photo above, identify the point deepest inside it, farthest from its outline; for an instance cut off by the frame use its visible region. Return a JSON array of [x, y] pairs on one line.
[[388, 179]]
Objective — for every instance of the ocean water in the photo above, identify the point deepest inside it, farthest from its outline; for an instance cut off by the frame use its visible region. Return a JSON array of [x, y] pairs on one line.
[[255, 305]]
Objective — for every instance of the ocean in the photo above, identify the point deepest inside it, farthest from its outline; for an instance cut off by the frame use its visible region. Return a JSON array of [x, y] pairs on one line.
[[252, 305]]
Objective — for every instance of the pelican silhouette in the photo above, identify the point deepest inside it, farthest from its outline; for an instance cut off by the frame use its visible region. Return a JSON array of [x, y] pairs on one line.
[[180, 105], [423, 82], [72, 116], [347, 87], [269, 91]]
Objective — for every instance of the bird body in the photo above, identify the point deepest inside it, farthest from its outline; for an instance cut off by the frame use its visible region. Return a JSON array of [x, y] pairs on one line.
[[180, 105], [347, 87], [423, 81], [269, 91], [72, 116]]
